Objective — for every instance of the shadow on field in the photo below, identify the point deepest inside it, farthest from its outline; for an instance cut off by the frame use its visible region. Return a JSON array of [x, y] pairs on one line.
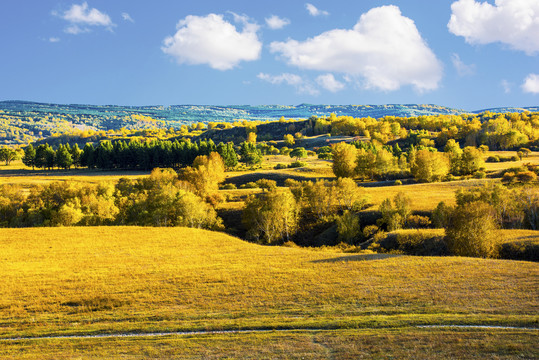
[[359, 257], [70, 172], [274, 175]]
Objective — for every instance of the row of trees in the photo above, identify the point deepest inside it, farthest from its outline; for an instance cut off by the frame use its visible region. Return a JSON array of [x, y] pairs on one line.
[[370, 160], [133, 155]]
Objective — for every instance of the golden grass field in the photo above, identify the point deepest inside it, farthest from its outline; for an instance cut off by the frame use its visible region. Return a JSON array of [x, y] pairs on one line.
[[94, 280], [87, 280]]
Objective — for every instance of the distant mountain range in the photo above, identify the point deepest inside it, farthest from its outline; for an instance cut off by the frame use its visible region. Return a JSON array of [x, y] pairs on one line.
[[180, 114]]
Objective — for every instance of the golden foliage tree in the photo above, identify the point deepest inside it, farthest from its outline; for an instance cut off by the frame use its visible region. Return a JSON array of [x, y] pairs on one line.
[[430, 166], [470, 230], [271, 217], [344, 159]]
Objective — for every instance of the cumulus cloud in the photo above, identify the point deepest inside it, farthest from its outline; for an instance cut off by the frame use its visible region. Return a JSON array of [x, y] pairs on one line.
[[54, 39], [461, 67], [81, 18], [127, 17], [384, 50], [274, 22], [294, 80], [328, 82], [214, 41], [512, 22], [314, 11], [531, 84]]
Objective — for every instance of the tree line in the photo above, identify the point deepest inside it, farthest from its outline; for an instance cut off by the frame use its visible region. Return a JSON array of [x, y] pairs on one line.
[[143, 155]]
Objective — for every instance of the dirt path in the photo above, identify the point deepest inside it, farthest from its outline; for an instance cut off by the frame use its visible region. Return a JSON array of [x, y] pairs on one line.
[[216, 332]]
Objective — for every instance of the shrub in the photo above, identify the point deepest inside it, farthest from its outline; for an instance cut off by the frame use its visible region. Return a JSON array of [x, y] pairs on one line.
[[508, 177], [230, 186], [526, 176], [397, 182], [280, 166], [249, 185], [297, 164], [412, 242], [266, 184], [370, 230], [417, 222], [325, 156], [521, 250], [479, 174], [493, 159]]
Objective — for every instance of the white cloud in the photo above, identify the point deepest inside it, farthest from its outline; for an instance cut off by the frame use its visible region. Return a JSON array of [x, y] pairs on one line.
[[462, 68], [314, 11], [531, 84], [54, 39], [274, 22], [329, 82], [81, 17], [214, 41], [294, 80], [127, 17], [512, 22], [384, 50], [506, 86]]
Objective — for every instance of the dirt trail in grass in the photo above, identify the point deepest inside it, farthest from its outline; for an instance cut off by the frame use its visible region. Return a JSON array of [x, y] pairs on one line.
[[246, 331]]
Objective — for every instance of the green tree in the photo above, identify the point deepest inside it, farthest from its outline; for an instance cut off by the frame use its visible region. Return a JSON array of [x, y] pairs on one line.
[[227, 152], [63, 157], [76, 154], [29, 158], [298, 153], [250, 154], [8, 155]]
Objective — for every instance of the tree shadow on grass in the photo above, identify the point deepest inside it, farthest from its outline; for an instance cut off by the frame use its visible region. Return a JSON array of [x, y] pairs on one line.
[[359, 257]]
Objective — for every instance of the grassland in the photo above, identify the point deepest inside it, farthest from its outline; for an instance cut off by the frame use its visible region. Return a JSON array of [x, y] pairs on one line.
[[129, 279], [407, 343]]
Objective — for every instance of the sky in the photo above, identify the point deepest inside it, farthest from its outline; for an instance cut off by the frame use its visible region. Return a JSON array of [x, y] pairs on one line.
[[466, 54]]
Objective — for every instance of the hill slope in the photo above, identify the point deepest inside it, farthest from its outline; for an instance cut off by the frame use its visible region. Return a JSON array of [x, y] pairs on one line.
[[21, 122], [114, 279]]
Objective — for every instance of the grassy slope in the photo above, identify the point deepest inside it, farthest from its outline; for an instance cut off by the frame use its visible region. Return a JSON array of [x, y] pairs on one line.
[[114, 279], [78, 280]]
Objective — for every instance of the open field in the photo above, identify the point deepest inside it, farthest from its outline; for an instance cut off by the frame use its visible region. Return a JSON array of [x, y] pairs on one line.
[[403, 343], [129, 279], [17, 173], [532, 158]]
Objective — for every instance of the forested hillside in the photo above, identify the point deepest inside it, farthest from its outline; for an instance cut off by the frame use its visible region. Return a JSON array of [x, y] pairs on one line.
[[22, 122]]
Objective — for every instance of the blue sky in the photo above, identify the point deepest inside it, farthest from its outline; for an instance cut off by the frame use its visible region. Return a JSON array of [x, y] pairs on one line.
[[469, 54]]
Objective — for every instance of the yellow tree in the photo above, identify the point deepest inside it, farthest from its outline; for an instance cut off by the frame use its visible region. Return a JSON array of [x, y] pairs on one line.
[[344, 159], [430, 166], [206, 173]]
